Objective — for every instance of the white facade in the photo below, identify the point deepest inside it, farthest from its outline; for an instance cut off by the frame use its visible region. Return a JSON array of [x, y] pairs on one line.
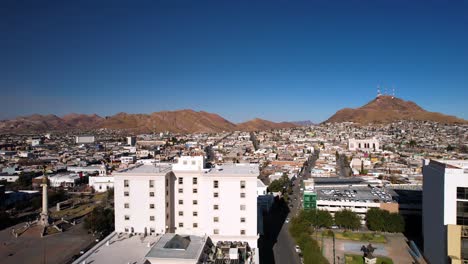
[[141, 200], [9, 178], [219, 202], [131, 141], [441, 179], [84, 139], [128, 159], [370, 145], [189, 199], [101, 183], [101, 169], [36, 142], [64, 180]]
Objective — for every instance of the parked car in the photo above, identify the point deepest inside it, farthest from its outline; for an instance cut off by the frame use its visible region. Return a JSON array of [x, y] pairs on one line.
[[298, 249]]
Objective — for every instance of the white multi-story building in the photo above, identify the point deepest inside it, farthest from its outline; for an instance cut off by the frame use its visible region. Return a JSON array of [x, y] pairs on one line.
[[128, 159], [370, 145], [220, 202], [445, 211], [84, 139], [143, 199], [189, 199]]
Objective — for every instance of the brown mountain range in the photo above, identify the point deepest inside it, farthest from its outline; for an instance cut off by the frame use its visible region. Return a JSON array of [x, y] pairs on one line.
[[387, 109], [181, 121]]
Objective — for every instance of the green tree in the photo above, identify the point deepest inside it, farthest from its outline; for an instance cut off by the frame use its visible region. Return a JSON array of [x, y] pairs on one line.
[[347, 219], [100, 221], [450, 148], [275, 186], [24, 180], [317, 218], [300, 231], [382, 220]]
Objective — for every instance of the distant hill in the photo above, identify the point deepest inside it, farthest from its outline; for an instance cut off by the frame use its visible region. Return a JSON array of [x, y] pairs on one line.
[[181, 121], [261, 124], [387, 109], [303, 123]]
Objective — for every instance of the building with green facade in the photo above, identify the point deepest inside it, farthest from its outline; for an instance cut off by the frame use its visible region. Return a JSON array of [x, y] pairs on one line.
[[310, 200]]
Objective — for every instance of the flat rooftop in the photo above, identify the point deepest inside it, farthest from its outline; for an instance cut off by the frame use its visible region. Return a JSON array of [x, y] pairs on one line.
[[336, 180], [147, 169], [191, 251], [356, 194], [236, 168], [121, 249]]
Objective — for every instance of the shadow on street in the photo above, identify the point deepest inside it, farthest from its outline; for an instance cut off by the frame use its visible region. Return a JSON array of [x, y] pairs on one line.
[[272, 224]]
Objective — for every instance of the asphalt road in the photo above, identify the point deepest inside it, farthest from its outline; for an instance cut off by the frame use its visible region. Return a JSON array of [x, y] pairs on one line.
[[276, 245], [283, 250]]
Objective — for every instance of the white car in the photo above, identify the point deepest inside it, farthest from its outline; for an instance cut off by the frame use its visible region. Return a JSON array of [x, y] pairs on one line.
[[287, 220], [298, 249]]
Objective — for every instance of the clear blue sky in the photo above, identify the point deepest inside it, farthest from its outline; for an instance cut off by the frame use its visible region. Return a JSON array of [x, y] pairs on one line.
[[278, 60]]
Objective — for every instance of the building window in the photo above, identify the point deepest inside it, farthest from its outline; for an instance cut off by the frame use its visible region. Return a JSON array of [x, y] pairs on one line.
[[152, 230], [126, 193], [127, 217], [462, 213], [195, 225], [195, 190], [195, 213], [216, 207], [242, 207], [216, 231], [181, 180], [242, 232], [215, 184], [184, 162], [193, 162], [151, 194], [195, 180], [462, 193], [167, 204], [151, 206], [242, 195], [242, 184], [195, 202], [215, 195], [126, 205], [151, 217], [151, 183], [181, 201], [181, 224], [181, 213], [216, 219], [181, 190], [242, 219], [126, 183]]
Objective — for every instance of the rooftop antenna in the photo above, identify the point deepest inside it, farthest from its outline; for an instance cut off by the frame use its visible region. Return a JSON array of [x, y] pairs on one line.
[[386, 91], [393, 95], [378, 91]]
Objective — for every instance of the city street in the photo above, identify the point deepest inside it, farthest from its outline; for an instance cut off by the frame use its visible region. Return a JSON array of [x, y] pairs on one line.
[[283, 250]]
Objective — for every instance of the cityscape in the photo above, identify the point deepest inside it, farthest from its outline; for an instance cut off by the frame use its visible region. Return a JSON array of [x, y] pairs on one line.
[[165, 133]]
